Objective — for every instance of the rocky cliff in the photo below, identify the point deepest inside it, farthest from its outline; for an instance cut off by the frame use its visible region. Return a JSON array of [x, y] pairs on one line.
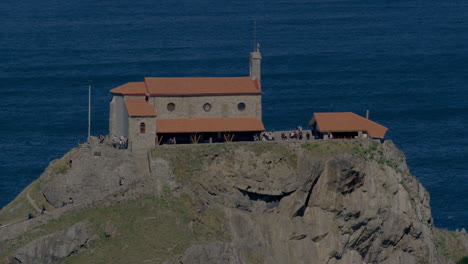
[[260, 202]]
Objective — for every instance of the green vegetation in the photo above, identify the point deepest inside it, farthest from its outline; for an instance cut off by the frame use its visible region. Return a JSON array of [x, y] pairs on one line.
[[161, 227], [279, 150], [189, 160], [255, 257], [328, 148], [372, 151], [368, 153], [449, 246], [61, 166], [463, 260]]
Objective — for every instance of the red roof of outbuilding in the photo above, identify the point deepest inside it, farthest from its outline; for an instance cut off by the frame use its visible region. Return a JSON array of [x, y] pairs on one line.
[[347, 122], [139, 107], [201, 86], [185, 125]]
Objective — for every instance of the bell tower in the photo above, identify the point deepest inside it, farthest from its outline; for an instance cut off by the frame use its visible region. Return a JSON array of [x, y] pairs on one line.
[[255, 61]]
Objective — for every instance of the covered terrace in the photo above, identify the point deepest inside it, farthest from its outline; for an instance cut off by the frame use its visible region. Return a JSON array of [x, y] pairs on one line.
[[206, 130]]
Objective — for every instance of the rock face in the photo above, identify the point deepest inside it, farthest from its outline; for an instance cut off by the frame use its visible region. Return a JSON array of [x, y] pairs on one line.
[[339, 209], [320, 202], [54, 247]]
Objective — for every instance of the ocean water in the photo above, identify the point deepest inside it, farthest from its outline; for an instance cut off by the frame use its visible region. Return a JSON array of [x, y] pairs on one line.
[[405, 61]]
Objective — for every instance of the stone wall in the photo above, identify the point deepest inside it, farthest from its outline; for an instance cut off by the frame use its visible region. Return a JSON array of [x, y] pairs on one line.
[[138, 140], [221, 106], [118, 117]]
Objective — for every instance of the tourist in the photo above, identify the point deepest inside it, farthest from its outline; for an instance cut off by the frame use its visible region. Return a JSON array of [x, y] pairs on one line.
[[70, 201], [121, 142], [300, 134], [283, 136], [308, 136], [43, 209], [270, 136], [101, 139], [114, 141], [125, 142]]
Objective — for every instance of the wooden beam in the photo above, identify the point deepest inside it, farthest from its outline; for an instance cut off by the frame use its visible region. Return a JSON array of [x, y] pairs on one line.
[[159, 138]]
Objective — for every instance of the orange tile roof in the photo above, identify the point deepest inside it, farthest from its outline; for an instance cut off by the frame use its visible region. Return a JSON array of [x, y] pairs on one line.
[[202, 86], [185, 125], [347, 122], [139, 107], [131, 88]]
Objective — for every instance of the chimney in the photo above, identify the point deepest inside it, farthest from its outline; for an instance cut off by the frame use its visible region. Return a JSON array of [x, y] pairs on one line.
[[367, 114]]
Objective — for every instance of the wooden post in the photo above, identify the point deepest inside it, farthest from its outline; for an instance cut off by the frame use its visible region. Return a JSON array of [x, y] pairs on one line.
[[195, 139], [228, 137]]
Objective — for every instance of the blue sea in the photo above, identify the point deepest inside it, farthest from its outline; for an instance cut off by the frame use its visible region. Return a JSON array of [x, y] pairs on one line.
[[405, 61]]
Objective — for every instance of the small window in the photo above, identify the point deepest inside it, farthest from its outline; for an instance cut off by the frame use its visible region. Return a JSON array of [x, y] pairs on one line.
[[241, 106], [170, 107], [207, 107], [142, 128]]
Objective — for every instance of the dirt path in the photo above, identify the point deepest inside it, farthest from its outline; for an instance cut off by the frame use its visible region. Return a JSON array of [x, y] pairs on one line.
[[31, 201]]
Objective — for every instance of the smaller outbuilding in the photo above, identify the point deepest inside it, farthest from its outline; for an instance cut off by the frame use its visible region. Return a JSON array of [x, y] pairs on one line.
[[345, 125]]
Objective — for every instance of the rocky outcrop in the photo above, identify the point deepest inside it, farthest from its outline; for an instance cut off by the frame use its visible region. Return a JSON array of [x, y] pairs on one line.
[[55, 247], [84, 176], [319, 202], [341, 208]]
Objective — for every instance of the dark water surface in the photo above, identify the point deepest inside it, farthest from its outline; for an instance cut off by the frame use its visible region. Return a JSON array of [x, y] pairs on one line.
[[406, 61]]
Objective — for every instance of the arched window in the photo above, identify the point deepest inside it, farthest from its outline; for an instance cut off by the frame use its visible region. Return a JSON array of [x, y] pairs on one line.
[[170, 107], [142, 128]]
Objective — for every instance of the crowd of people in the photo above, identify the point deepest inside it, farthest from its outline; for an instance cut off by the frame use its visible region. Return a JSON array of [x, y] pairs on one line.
[[120, 143], [297, 134]]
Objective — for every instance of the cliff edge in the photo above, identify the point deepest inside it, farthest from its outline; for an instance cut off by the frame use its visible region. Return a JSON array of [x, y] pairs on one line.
[[259, 202]]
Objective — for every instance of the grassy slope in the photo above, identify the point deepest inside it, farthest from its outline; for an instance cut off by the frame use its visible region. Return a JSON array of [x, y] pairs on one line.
[[19, 208], [188, 160], [148, 229]]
